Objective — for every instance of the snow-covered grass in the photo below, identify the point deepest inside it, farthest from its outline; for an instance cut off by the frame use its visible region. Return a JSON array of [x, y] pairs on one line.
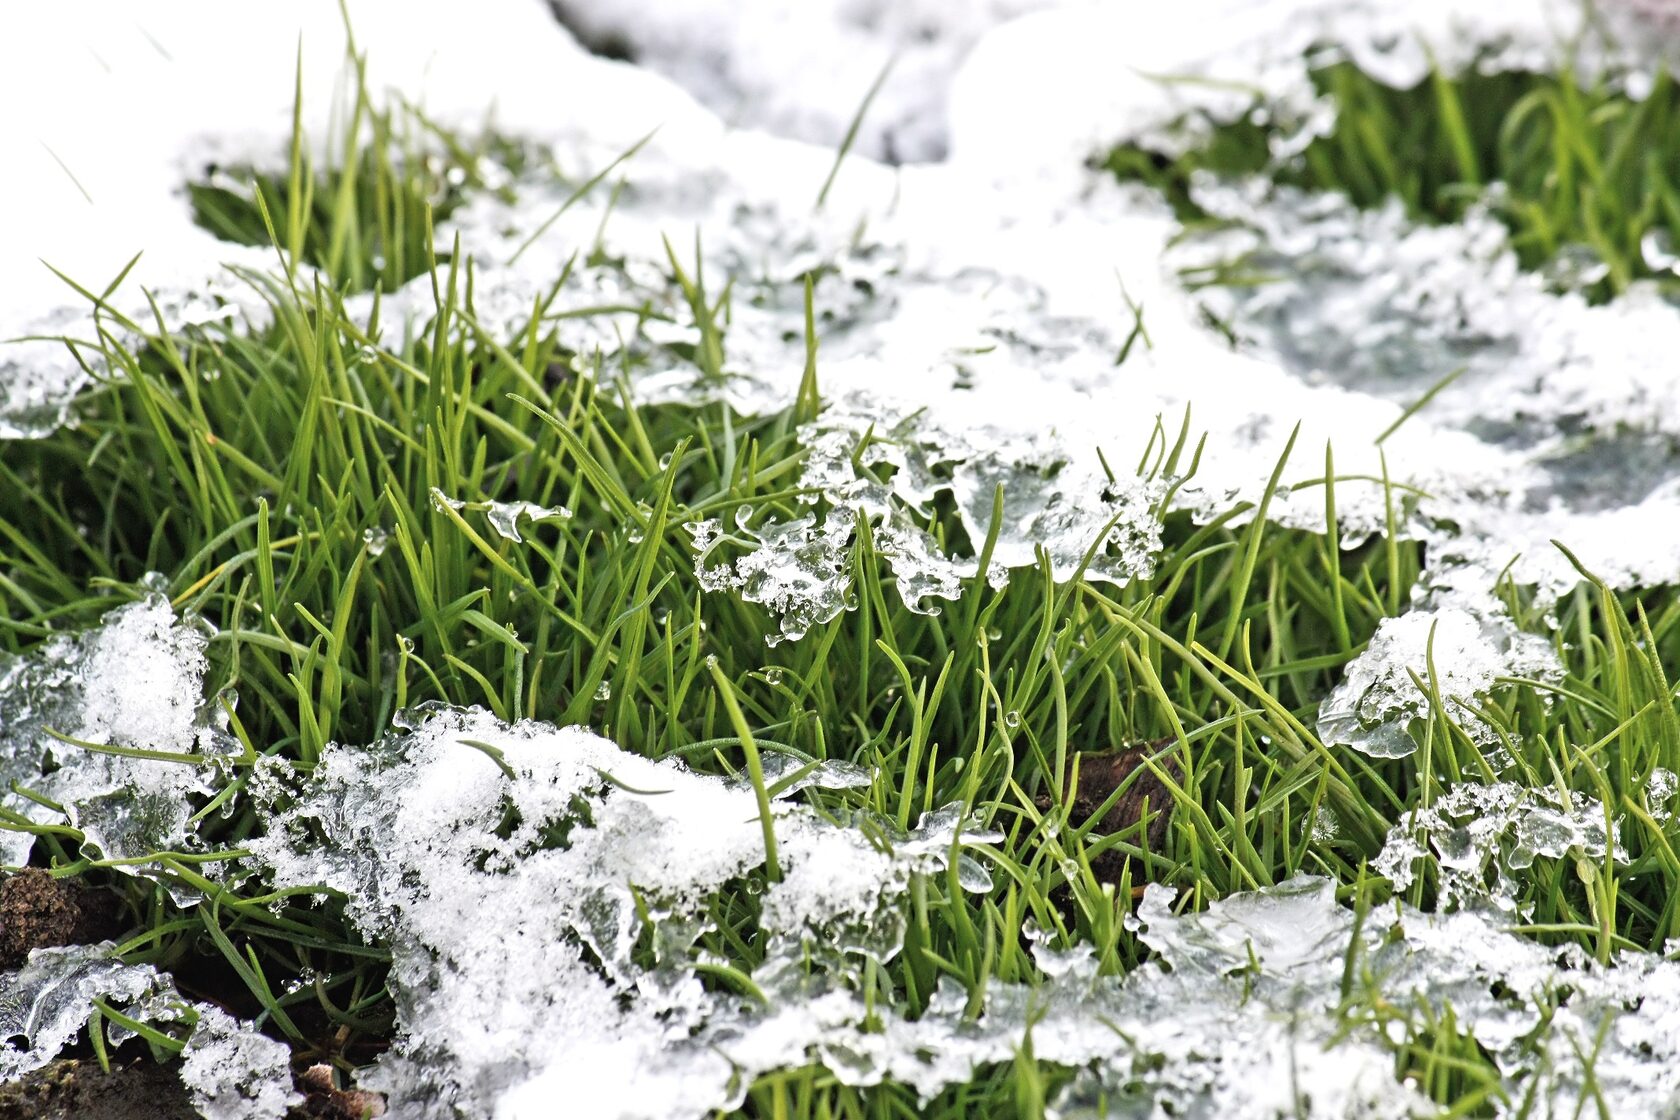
[[300, 607]]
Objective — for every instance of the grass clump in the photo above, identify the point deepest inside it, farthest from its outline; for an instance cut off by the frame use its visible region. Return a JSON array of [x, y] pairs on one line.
[[297, 487], [363, 213], [1582, 174]]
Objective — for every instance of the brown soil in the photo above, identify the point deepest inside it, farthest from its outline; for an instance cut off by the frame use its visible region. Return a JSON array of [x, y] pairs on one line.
[[38, 911], [1099, 775], [77, 1090]]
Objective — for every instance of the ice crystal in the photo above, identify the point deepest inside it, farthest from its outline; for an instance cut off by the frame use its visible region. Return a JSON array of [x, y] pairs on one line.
[[231, 1071], [1454, 651], [1480, 841], [234, 1072], [134, 682]]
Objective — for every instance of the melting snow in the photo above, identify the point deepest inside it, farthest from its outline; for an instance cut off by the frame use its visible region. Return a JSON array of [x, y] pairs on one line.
[[231, 1071], [974, 311], [524, 967], [134, 682]]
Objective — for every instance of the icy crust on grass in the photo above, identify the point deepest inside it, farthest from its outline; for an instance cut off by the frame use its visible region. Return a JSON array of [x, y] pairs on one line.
[[525, 973], [231, 1070], [1482, 840], [1456, 651], [512, 904], [867, 466], [1539, 1012], [135, 681]]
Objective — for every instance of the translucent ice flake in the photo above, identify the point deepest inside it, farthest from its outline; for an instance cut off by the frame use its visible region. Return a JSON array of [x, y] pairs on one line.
[[798, 569], [134, 682], [1070, 510], [46, 1004], [503, 517], [1457, 651], [786, 775], [1480, 841], [231, 1071]]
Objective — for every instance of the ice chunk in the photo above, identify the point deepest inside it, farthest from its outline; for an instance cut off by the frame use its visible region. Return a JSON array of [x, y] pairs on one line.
[[1457, 651], [135, 682], [799, 569], [232, 1071], [503, 517], [1481, 840]]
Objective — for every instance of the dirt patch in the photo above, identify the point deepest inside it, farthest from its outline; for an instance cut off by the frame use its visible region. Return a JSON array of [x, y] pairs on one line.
[[69, 1089], [1142, 793], [38, 911]]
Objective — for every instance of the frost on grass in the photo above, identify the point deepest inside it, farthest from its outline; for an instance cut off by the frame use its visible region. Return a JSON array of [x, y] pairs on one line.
[[1481, 840], [231, 1071], [134, 682]]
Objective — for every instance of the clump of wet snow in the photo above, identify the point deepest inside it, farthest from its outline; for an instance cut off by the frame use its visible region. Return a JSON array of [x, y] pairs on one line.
[[464, 840], [234, 1072], [231, 1070], [1480, 841], [134, 682]]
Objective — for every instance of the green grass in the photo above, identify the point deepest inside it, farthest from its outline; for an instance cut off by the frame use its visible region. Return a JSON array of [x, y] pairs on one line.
[[257, 493], [1585, 169]]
